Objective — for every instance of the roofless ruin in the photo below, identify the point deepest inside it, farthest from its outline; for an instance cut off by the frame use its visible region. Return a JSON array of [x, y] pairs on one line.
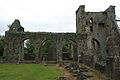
[[96, 42]]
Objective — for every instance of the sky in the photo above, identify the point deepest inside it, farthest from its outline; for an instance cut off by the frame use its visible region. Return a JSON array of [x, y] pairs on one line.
[[48, 15]]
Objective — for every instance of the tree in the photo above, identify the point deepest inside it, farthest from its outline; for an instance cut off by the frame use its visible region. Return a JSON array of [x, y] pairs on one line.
[[65, 47], [29, 46], [46, 46], [1, 45]]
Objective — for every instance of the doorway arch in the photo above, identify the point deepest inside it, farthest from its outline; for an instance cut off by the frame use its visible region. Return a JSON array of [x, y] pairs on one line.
[[96, 49]]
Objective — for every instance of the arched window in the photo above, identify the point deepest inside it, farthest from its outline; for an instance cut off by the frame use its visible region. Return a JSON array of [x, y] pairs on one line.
[[91, 20], [91, 28], [96, 46]]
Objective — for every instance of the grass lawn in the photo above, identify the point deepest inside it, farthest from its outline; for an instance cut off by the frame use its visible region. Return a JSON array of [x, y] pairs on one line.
[[28, 72]]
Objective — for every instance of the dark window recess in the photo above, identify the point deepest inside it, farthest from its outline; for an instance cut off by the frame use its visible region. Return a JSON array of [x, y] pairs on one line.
[[91, 28], [101, 24], [86, 23], [107, 51], [91, 20]]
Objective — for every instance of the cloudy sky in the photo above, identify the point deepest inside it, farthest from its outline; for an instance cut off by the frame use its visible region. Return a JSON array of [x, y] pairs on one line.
[[48, 15]]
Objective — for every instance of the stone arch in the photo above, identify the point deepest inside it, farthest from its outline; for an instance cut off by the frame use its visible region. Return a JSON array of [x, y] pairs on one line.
[[96, 49], [72, 52], [28, 49], [51, 54], [96, 45], [95, 40], [17, 39]]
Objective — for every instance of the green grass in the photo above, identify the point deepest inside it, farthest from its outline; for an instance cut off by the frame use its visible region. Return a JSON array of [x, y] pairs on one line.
[[28, 72]]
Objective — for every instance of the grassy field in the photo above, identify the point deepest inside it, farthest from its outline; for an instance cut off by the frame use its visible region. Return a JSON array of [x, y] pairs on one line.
[[28, 72]]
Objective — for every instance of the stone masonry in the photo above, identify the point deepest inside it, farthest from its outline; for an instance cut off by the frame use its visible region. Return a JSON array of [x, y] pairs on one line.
[[97, 41]]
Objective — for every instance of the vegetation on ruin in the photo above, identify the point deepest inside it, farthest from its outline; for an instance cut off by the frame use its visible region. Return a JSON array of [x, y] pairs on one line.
[[28, 72]]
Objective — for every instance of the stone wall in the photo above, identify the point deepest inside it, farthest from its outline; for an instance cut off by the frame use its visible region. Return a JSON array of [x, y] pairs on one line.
[[14, 40], [97, 40], [103, 40]]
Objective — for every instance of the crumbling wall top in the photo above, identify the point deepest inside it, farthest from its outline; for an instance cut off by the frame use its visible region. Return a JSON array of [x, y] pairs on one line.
[[110, 9], [16, 26], [81, 9]]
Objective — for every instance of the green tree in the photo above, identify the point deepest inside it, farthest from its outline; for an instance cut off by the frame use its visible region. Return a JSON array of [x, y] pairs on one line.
[[65, 47], [1, 45], [46, 46], [29, 46]]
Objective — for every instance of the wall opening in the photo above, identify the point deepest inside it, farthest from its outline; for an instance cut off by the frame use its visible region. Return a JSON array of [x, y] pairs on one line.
[[96, 44], [96, 49], [101, 24], [67, 55], [69, 50], [29, 50], [91, 20], [91, 28], [47, 50]]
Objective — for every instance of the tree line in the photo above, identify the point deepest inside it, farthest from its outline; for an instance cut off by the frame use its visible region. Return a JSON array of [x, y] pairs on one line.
[[1, 45]]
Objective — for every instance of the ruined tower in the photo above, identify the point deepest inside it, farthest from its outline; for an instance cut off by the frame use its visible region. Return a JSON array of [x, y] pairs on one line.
[[103, 41]]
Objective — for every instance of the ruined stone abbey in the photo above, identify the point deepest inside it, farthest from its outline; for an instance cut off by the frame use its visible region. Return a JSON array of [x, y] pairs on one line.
[[96, 42]]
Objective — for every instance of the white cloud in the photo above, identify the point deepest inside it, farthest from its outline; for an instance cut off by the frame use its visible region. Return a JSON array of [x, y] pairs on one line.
[[48, 15]]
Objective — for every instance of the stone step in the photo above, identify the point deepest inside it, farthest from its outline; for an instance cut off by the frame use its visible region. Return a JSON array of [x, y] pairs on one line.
[[86, 75]]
